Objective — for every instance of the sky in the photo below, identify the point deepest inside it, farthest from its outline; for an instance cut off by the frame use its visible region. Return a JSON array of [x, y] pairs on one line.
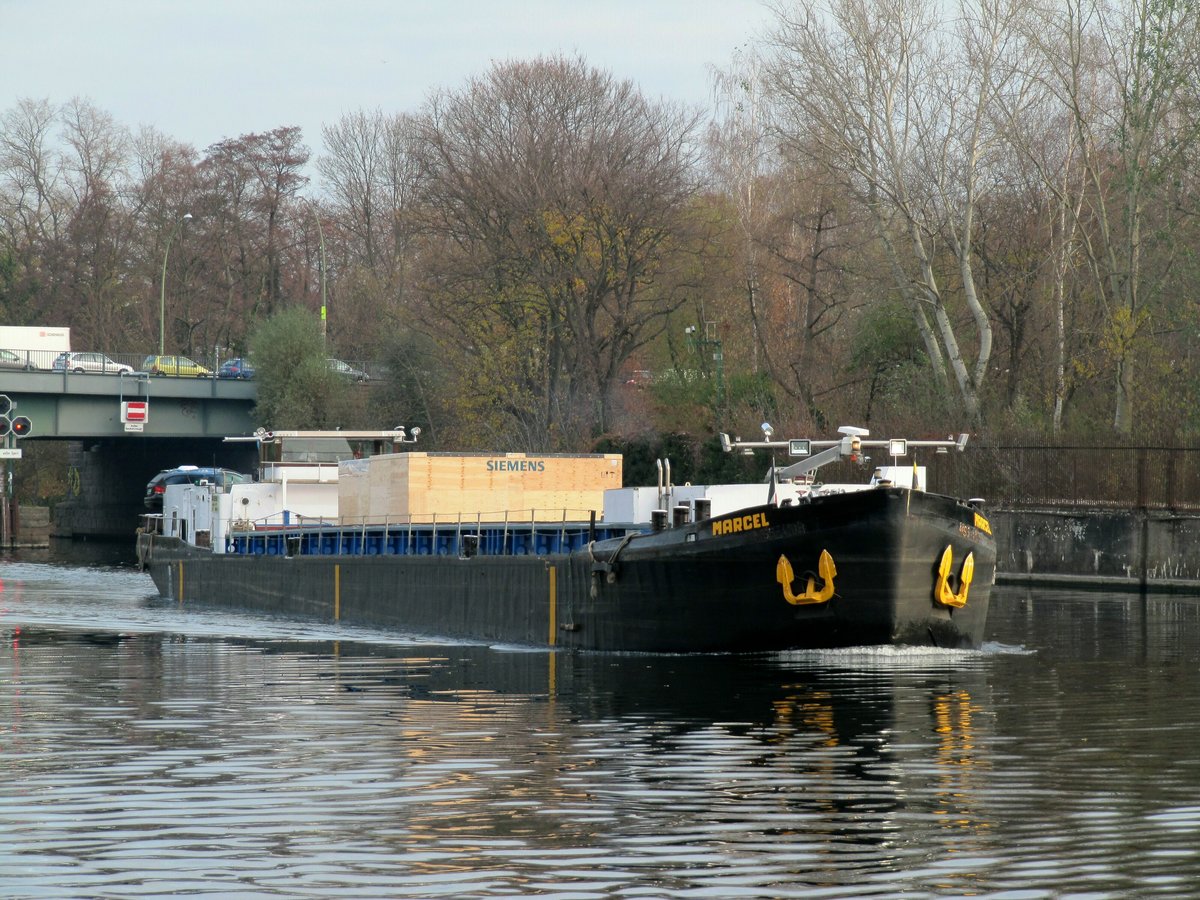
[[200, 71]]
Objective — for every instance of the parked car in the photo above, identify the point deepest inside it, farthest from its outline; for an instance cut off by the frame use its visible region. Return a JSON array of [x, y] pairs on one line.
[[157, 486], [235, 368], [175, 365], [10, 360], [344, 368], [69, 361]]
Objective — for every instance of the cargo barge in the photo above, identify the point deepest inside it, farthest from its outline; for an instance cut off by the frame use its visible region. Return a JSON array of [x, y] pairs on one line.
[[347, 527]]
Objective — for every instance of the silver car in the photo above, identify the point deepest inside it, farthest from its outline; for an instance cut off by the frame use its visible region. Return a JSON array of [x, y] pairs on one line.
[[10, 360], [88, 362]]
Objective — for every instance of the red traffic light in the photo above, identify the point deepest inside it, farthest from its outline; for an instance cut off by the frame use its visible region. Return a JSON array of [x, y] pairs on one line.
[[21, 426], [5, 426]]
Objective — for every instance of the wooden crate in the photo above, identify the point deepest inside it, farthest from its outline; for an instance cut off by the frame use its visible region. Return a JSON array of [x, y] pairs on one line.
[[353, 491], [489, 487]]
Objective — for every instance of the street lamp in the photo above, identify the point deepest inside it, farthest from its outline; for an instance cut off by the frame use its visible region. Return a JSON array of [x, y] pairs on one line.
[[321, 241], [711, 341], [162, 295]]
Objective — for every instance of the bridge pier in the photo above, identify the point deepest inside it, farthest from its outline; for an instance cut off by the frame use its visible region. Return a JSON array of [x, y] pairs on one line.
[[107, 479]]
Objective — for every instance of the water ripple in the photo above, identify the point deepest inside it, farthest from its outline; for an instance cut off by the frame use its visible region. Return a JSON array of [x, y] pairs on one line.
[[149, 751]]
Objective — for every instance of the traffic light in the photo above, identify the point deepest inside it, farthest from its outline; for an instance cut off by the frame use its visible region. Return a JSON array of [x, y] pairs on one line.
[[17, 426]]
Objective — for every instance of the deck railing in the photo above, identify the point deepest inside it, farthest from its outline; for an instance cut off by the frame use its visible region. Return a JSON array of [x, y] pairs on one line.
[[453, 536]]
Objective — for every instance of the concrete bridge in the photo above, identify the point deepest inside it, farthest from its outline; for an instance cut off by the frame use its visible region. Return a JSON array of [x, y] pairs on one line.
[[89, 406], [116, 445]]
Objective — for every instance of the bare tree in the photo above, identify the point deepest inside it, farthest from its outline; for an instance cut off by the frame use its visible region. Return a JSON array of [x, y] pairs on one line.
[[788, 224], [34, 209], [742, 154], [360, 172], [32, 177], [896, 106], [555, 197], [248, 184], [100, 149], [103, 228], [165, 187], [1125, 73], [1044, 167], [370, 178]]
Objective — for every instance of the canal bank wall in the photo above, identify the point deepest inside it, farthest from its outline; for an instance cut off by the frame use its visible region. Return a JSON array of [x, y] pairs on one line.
[[25, 526], [1108, 549]]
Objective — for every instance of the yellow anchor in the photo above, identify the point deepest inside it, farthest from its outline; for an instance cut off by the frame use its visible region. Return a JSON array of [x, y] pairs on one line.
[[941, 586], [825, 568]]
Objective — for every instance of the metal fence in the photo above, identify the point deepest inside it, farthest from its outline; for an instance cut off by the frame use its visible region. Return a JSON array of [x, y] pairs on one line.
[[111, 363], [1147, 477]]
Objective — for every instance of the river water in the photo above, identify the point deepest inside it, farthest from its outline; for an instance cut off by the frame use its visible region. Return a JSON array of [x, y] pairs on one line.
[[150, 750]]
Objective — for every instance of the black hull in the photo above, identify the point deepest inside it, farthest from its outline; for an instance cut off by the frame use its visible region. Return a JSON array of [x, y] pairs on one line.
[[681, 590]]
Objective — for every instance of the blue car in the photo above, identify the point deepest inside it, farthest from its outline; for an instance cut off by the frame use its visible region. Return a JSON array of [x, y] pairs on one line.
[[236, 368]]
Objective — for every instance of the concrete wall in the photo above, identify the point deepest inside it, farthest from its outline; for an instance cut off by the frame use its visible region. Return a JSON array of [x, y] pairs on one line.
[[23, 526], [1152, 548], [33, 526]]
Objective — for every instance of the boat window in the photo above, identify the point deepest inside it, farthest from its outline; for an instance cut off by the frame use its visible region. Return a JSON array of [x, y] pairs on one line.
[[363, 448], [315, 450], [322, 449]]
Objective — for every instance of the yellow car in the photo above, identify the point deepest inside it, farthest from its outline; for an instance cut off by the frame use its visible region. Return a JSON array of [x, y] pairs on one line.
[[175, 365]]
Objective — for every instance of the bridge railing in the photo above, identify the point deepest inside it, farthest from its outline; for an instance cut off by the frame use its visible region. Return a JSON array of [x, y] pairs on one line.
[[36, 359], [43, 361]]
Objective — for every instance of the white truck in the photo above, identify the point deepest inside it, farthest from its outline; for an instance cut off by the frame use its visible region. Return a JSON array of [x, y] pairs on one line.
[[36, 345]]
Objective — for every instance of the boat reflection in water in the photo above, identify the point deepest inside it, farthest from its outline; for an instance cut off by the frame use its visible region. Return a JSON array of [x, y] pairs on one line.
[[639, 761]]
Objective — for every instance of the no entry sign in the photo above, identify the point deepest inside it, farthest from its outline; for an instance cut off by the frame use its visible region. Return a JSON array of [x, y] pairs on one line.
[[137, 411]]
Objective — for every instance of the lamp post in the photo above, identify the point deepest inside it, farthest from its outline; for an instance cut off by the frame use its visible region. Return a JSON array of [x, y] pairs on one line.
[[162, 294], [711, 341], [321, 242]]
